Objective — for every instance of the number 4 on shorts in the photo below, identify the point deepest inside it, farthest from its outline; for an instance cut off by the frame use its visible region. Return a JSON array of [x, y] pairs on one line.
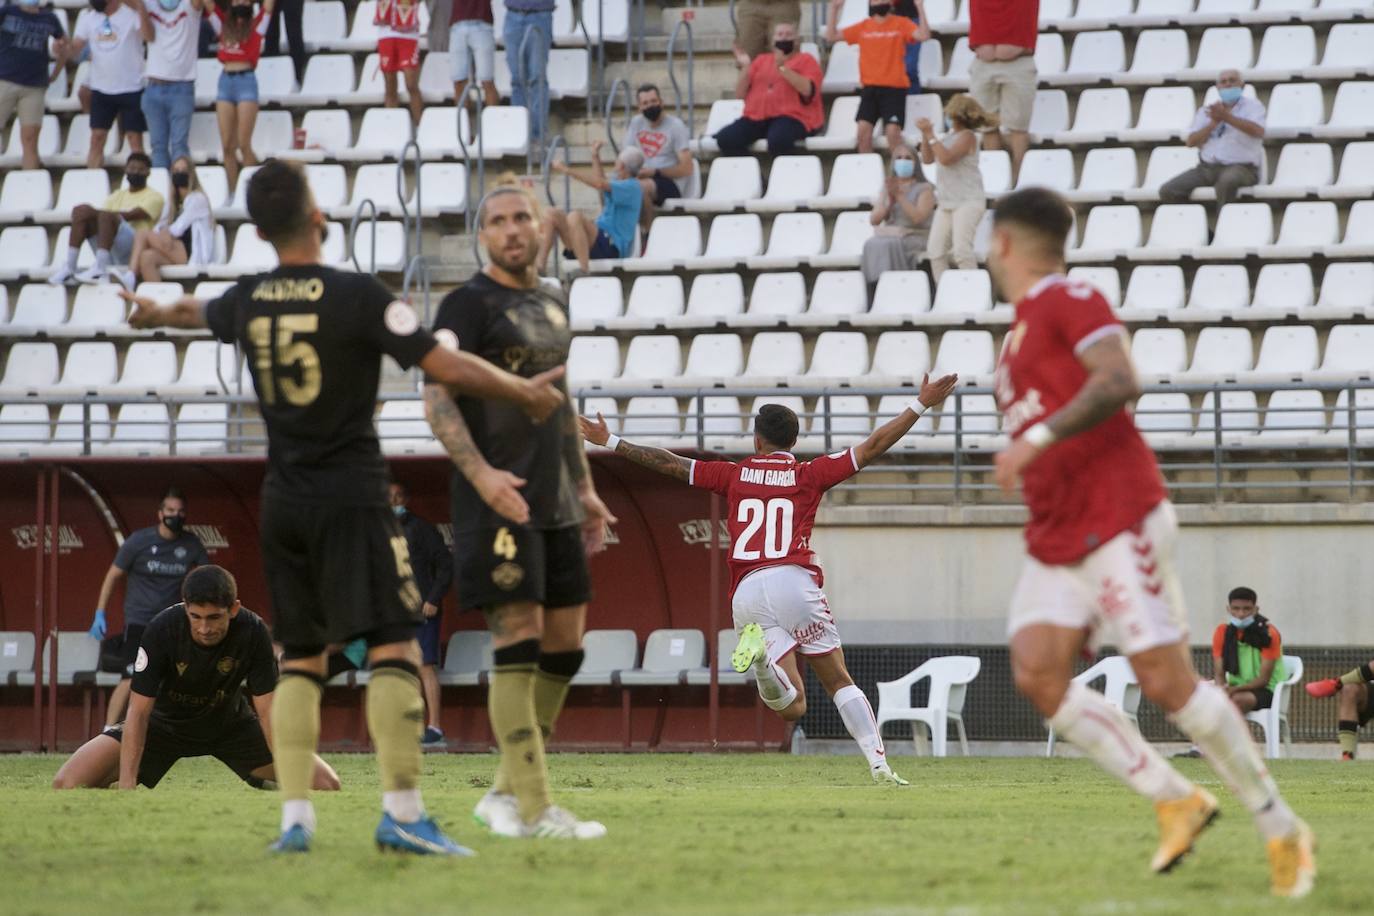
[[504, 545]]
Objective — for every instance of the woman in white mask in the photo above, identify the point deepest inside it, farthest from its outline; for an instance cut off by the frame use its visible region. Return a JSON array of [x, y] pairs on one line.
[[901, 218]]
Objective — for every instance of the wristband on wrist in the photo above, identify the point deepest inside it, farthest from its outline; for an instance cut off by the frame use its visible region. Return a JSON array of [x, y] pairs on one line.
[[1040, 436], [917, 407], [612, 442]]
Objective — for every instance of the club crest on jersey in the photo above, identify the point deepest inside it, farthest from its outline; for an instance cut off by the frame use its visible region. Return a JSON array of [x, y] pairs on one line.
[[769, 477], [181, 668], [225, 665]]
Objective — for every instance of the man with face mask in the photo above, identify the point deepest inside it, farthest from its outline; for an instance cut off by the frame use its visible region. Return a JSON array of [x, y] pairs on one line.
[[116, 32], [882, 41], [432, 563], [153, 561], [664, 140], [112, 229], [1247, 653], [1230, 133]]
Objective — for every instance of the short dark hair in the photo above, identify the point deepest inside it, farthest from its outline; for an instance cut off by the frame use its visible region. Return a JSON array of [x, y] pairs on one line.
[[209, 585], [405, 491], [777, 425], [139, 157], [1041, 211], [172, 493], [278, 199], [1242, 594], [647, 87]]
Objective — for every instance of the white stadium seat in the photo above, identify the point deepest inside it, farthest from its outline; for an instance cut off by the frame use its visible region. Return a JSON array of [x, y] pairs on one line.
[[1224, 48], [841, 130], [1107, 172], [714, 298], [148, 365], [1284, 288], [1165, 113], [652, 357], [901, 295], [1239, 417], [328, 78], [1104, 279], [1303, 168], [24, 252], [276, 79], [139, 429], [839, 355], [1159, 53], [1097, 55], [593, 361], [1287, 352], [1219, 288], [901, 356], [25, 193], [383, 134], [1176, 229], [403, 430], [593, 301], [78, 423], [1050, 115], [1347, 290], [792, 180], [963, 292], [969, 353], [1349, 351], [838, 295], [1165, 418], [1159, 352], [841, 69], [775, 299], [855, 179], [654, 299], [90, 365], [1356, 178], [1294, 417], [1110, 232], [673, 240], [793, 238], [733, 238], [1155, 289], [96, 309], [1050, 168], [325, 23], [1221, 353], [775, 355], [1293, 109], [1346, 53], [714, 357], [852, 229], [38, 308], [30, 368], [730, 183], [1352, 112]]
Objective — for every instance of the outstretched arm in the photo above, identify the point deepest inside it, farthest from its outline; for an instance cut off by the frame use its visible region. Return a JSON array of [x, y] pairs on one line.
[[498, 489], [891, 432], [187, 312], [655, 459]]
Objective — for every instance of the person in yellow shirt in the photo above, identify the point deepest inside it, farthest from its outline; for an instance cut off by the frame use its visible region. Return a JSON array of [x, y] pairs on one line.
[[111, 229]]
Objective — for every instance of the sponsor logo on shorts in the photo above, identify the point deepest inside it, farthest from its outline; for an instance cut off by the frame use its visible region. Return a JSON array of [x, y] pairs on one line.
[[507, 576], [809, 633]]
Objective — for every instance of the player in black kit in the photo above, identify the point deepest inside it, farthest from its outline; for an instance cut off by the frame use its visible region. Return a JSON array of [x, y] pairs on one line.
[[187, 699], [525, 513], [334, 556]]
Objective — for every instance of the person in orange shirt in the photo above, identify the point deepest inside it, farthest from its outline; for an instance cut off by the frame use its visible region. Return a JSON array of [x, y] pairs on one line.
[[882, 40]]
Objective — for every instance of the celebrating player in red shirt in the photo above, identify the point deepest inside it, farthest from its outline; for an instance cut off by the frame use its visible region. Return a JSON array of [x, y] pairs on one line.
[[775, 580], [1100, 541]]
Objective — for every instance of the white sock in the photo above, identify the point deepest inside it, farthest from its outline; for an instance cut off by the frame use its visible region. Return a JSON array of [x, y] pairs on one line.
[[1104, 734], [72, 255], [774, 685], [404, 806], [1216, 726], [863, 727], [298, 811], [102, 258]]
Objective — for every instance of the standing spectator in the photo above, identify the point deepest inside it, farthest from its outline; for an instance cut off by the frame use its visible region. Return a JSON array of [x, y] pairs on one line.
[[915, 10], [901, 218], [665, 142], [398, 47], [153, 560], [529, 75], [782, 98], [1002, 76], [624, 200], [755, 21], [959, 192], [116, 33], [24, 74], [240, 32], [184, 235], [472, 37], [1231, 134], [291, 11], [882, 40], [432, 563], [169, 99], [114, 227]]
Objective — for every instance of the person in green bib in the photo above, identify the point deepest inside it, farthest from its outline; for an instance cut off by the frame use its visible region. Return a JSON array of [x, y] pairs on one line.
[[1247, 653]]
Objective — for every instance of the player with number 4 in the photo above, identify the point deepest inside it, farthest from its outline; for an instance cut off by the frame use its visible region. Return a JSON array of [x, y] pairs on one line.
[[775, 578]]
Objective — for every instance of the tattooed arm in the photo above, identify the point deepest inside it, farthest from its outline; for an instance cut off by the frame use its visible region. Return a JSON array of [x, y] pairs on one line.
[[498, 488], [655, 459]]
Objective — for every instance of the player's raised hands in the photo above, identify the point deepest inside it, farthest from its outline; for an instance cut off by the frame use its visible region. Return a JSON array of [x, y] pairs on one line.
[[932, 393], [595, 431], [501, 490], [542, 397]]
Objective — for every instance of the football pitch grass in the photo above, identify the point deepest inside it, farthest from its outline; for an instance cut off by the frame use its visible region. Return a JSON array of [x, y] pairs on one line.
[[711, 834]]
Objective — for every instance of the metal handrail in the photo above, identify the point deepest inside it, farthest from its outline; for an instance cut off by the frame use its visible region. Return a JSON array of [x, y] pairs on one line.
[[419, 244], [691, 74], [554, 146], [630, 110], [539, 104], [367, 204], [469, 198]]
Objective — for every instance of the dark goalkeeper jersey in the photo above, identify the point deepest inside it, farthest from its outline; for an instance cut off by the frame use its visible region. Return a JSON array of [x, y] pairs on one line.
[[314, 338], [199, 689]]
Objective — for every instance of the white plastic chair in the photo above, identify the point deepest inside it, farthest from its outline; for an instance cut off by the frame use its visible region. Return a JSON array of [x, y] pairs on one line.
[[1278, 735], [1155, 288], [949, 679], [1120, 688]]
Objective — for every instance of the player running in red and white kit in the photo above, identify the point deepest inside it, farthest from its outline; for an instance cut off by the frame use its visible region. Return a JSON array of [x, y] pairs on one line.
[[1100, 541], [775, 579]]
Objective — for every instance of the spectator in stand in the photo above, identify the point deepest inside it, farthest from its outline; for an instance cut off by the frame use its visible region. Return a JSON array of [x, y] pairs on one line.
[[1230, 132], [398, 46], [960, 198], [1355, 706], [782, 97], [901, 218], [665, 142], [240, 32], [291, 11], [472, 38], [534, 17], [116, 34], [184, 235], [169, 99], [25, 29], [77, 58], [882, 40], [113, 227], [624, 200], [756, 20], [1002, 76], [915, 10]]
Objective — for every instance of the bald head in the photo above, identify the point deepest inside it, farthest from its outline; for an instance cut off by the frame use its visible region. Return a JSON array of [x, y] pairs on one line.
[[1230, 77]]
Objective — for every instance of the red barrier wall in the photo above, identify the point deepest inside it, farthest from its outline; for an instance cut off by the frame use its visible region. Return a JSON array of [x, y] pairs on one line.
[[655, 573]]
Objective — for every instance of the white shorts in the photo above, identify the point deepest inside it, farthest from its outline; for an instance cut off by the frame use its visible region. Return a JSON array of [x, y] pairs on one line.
[[791, 608], [1126, 593]]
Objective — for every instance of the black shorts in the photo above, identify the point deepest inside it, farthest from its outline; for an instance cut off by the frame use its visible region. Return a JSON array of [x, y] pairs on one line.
[[335, 572], [882, 104], [133, 637], [127, 105], [665, 189], [602, 247], [240, 745], [1368, 712], [516, 563], [1264, 698]]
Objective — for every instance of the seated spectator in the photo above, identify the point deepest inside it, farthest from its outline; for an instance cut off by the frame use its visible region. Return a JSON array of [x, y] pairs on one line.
[[612, 235], [116, 37], [25, 29], [882, 40], [901, 218], [184, 235], [755, 21], [782, 98], [1247, 654], [240, 32], [398, 46], [1356, 704], [914, 10], [1002, 77], [1230, 132], [113, 227], [664, 140], [959, 195]]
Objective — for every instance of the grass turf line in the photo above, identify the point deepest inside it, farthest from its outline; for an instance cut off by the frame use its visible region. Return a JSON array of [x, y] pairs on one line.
[[718, 834]]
